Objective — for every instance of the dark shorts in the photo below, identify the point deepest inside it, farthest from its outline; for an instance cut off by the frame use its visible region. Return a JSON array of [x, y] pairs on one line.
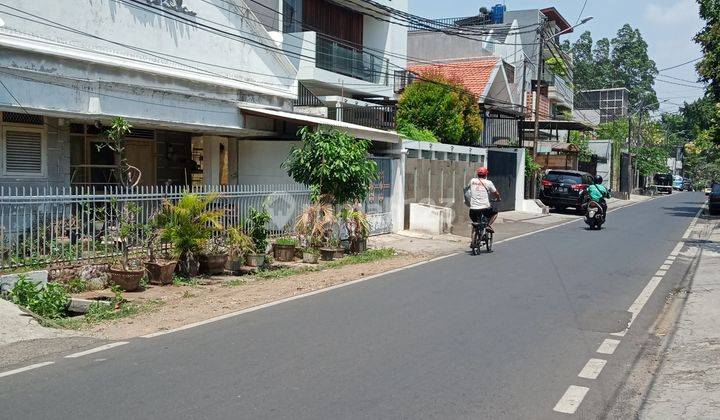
[[476, 213]]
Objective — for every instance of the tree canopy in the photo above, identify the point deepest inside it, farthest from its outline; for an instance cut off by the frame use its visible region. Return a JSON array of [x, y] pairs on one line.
[[442, 107], [622, 61]]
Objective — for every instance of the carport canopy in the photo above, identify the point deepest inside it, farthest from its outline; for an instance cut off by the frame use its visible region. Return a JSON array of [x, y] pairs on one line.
[[356, 130]]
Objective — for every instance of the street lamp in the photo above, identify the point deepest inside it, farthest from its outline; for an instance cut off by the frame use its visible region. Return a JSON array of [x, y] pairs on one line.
[[540, 70]]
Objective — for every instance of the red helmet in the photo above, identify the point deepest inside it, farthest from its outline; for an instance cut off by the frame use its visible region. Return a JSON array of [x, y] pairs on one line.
[[482, 171]]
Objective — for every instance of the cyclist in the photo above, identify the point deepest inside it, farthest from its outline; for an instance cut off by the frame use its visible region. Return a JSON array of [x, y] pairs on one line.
[[480, 190], [597, 193]]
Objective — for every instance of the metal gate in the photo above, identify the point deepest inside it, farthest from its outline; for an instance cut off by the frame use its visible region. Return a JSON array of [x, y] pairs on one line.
[[378, 205], [503, 167]]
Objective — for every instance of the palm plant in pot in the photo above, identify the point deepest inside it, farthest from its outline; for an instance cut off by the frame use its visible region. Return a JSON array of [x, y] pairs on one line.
[[357, 228], [159, 270], [238, 245], [129, 274], [314, 226], [189, 226], [258, 232]]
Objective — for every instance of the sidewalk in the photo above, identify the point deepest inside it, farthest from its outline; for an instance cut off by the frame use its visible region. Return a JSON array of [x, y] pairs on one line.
[[687, 385]]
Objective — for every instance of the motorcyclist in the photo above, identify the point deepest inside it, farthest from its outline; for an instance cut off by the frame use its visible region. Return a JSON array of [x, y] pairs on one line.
[[480, 190], [597, 193]]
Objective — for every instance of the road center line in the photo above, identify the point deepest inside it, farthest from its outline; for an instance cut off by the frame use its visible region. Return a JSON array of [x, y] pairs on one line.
[[608, 346], [571, 400], [592, 369], [96, 349], [24, 369]]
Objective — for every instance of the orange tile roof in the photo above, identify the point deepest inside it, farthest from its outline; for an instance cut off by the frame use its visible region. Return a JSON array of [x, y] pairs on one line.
[[473, 74]]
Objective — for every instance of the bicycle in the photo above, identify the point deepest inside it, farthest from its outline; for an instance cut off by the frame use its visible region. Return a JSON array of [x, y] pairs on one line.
[[481, 236]]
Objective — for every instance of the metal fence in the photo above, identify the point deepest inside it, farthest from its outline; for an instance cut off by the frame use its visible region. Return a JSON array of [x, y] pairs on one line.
[[39, 226]]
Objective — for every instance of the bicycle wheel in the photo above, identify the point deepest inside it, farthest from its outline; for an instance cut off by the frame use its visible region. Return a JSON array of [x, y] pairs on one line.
[[474, 241], [489, 241]]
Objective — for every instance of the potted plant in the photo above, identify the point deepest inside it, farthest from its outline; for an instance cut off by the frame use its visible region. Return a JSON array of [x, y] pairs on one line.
[[188, 227], [284, 248], [337, 250], [159, 271], [213, 257], [129, 274], [238, 245], [358, 229], [258, 232], [315, 225], [311, 255]]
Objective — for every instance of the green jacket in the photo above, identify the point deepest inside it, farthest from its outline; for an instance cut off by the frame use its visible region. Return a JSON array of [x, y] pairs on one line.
[[597, 192]]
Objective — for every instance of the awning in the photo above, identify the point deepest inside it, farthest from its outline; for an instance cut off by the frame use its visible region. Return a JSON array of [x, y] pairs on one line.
[[557, 125], [356, 130]]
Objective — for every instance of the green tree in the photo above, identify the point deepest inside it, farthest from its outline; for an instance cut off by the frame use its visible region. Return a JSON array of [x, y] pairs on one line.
[[634, 68], [332, 163], [442, 107], [709, 40]]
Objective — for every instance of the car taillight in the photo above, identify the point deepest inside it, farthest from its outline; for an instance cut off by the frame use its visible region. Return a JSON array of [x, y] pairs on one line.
[[578, 187], [546, 183]]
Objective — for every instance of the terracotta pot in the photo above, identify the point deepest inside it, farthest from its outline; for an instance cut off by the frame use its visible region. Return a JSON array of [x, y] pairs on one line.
[[338, 253], [310, 257], [128, 280], [284, 252], [327, 254], [358, 246], [160, 272], [212, 264], [255, 260]]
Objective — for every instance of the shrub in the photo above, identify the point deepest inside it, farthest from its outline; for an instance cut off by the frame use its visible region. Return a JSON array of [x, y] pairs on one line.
[[258, 228], [189, 224], [286, 241], [332, 163], [412, 132], [48, 302]]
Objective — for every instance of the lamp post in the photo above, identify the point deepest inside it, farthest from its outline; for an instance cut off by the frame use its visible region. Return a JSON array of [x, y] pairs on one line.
[[540, 70]]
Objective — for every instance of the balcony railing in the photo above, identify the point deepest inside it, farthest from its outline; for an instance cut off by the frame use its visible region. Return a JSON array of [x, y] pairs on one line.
[[381, 116], [562, 87], [337, 57]]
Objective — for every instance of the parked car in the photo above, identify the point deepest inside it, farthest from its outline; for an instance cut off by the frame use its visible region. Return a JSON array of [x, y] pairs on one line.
[[714, 200], [677, 182], [561, 188], [663, 183], [687, 184]]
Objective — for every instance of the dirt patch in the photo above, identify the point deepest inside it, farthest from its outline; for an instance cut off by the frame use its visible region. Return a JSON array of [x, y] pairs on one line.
[[220, 295]]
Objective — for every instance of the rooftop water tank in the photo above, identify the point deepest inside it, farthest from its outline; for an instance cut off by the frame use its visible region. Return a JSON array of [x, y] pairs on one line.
[[497, 13]]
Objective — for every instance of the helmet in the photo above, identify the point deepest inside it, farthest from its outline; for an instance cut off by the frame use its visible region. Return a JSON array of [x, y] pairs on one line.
[[482, 171], [598, 179]]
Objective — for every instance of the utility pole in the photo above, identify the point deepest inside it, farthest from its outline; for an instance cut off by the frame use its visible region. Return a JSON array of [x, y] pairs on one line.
[[538, 79]]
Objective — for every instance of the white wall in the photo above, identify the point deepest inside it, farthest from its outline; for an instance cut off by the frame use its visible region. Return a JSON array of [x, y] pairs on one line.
[[259, 161]]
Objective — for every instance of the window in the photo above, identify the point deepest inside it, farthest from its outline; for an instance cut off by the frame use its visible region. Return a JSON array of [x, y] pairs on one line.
[[24, 151]]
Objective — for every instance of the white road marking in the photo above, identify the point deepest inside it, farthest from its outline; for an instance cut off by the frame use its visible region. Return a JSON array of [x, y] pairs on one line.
[[24, 369], [571, 400], [660, 273], [592, 369], [96, 349], [608, 346], [671, 258], [677, 249], [643, 298], [665, 267]]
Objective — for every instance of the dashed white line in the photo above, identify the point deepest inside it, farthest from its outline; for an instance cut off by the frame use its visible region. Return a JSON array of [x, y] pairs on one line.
[[671, 258], [660, 273], [24, 369], [592, 369], [643, 298], [608, 346], [665, 267], [571, 400], [96, 349]]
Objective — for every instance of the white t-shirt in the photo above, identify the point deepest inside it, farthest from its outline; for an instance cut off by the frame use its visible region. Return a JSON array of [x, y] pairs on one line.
[[480, 198]]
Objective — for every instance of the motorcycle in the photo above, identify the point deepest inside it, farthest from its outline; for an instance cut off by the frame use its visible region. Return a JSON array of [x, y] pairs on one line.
[[594, 215]]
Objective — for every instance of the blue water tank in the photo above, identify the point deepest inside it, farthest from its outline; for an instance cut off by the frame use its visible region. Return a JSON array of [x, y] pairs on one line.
[[497, 13]]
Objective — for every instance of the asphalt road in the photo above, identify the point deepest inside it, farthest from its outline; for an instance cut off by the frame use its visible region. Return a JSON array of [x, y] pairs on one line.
[[495, 336]]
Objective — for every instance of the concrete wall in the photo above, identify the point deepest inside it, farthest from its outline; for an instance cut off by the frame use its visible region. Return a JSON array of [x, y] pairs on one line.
[[57, 170], [259, 161]]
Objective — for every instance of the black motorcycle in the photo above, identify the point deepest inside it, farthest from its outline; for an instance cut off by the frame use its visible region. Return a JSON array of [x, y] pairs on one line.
[[594, 215]]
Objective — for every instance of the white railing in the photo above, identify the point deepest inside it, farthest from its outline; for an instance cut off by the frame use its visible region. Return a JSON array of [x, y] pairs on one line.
[[41, 226]]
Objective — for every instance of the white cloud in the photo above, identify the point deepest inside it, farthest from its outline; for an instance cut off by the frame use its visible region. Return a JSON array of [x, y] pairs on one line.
[[681, 12]]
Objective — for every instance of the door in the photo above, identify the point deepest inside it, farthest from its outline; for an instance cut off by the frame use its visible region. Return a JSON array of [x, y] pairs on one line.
[[141, 154], [503, 167]]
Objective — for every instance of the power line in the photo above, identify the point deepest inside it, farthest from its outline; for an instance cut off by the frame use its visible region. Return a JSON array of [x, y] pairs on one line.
[[680, 84], [581, 12], [680, 65]]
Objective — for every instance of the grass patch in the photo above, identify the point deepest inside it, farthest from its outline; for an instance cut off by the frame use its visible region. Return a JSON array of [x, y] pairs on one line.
[[99, 312], [368, 256], [181, 281], [235, 282]]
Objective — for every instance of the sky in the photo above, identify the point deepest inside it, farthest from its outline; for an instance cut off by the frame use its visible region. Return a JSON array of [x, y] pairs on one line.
[[668, 27]]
